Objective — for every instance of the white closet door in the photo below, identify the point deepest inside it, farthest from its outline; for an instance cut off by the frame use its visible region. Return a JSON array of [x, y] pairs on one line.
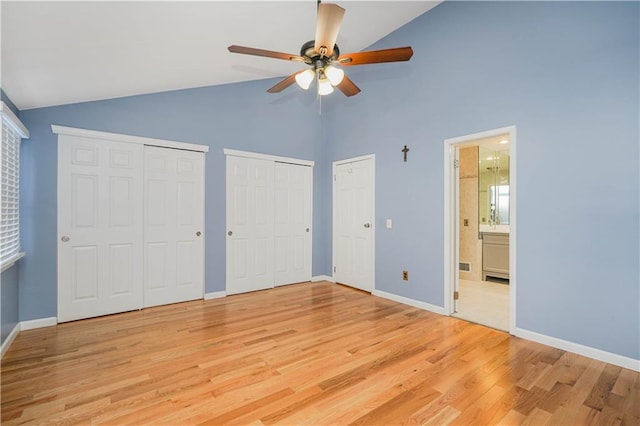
[[173, 225], [99, 227], [293, 201], [353, 237], [249, 224]]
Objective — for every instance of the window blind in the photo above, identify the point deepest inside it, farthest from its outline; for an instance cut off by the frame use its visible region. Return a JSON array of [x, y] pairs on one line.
[[12, 133]]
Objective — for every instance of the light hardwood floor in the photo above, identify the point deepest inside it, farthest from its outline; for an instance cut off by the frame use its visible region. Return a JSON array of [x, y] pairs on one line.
[[315, 353]]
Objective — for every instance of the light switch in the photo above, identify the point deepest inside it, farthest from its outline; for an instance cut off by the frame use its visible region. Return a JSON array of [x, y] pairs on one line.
[[389, 224]]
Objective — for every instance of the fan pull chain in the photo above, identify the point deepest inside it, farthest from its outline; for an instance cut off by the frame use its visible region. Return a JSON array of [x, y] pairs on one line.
[[318, 95]]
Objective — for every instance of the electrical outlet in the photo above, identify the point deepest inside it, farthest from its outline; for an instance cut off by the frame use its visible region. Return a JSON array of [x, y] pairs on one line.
[[405, 275]]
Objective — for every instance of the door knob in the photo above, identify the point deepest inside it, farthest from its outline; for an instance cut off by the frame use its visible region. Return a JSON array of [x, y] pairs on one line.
[[367, 225], [307, 229], [230, 233], [198, 233], [64, 239]]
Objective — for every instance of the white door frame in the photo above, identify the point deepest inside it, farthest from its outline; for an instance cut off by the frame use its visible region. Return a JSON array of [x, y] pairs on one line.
[[451, 222], [371, 157]]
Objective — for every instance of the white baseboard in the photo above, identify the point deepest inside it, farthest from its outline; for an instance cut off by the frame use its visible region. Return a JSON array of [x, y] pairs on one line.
[[410, 302], [322, 278], [9, 340], [38, 323], [26, 325], [215, 295], [600, 355]]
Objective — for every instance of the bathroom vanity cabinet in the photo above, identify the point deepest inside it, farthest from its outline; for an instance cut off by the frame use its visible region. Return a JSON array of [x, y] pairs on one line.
[[495, 255]]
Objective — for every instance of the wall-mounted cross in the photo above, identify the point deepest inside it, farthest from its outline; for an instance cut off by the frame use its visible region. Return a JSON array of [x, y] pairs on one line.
[[404, 151]]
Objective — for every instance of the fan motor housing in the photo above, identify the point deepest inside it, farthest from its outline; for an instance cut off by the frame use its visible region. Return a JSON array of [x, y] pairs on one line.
[[308, 51]]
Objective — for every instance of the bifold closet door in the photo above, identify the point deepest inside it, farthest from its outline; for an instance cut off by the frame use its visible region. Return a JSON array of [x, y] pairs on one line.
[[99, 227], [249, 224], [173, 225], [293, 200]]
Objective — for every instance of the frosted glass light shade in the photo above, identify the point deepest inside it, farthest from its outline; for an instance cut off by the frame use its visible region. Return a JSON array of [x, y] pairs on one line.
[[305, 78], [335, 75], [324, 87]]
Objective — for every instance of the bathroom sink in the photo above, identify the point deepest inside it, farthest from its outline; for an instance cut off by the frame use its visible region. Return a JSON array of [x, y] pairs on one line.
[[500, 229]]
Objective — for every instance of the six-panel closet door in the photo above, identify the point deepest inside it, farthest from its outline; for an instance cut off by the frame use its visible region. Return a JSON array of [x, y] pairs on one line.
[[100, 238], [130, 226], [173, 225], [269, 208], [292, 238], [249, 224]]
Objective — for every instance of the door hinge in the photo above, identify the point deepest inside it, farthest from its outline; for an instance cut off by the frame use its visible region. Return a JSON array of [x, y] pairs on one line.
[[456, 164], [334, 178], [334, 269], [456, 295]]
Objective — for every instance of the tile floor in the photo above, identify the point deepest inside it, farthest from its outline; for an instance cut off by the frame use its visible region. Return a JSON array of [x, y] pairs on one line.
[[485, 303]]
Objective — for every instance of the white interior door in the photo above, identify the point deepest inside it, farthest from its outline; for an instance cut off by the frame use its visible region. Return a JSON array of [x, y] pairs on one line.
[[250, 225], [99, 227], [353, 223], [456, 222], [173, 225], [293, 205]]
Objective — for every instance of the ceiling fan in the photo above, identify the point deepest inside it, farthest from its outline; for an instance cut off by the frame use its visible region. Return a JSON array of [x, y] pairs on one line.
[[323, 54]]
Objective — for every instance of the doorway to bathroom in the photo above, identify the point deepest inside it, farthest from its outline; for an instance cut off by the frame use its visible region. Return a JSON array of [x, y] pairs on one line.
[[480, 228]]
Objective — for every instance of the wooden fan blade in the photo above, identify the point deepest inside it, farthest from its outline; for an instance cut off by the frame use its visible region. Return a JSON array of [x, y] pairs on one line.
[[376, 56], [267, 53], [348, 87], [327, 26], [283, 84]]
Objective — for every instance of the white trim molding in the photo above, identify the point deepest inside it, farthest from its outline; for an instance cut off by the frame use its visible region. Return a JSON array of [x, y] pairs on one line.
[[450, 213], [94, 134], [215, 295], [38, 323], [411, 302], [317, 278], [355, 159], [26, 325], [588, 351], [9, 340], [259, 156], [15, 122]]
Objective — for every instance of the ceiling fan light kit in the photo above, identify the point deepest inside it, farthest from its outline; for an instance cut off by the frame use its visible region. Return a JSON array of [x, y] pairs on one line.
[[324, 86], [334, 74], [323, 54], [305, 78]]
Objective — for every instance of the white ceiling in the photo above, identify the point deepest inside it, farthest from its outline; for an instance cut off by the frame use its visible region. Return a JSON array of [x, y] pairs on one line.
[[57, 53]]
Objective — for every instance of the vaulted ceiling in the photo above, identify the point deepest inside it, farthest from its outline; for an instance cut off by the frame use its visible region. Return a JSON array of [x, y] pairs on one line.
[[57, 53]]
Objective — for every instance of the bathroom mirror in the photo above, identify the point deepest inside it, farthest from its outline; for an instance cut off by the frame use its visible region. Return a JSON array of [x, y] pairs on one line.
[[493, 186]]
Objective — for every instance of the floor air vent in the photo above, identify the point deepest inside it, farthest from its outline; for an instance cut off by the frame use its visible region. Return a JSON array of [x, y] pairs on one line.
[[464, 266]]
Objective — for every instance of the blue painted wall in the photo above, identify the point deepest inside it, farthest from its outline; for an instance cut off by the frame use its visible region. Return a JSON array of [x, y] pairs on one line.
[[9, 301], [567, 75], [239, 116]]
